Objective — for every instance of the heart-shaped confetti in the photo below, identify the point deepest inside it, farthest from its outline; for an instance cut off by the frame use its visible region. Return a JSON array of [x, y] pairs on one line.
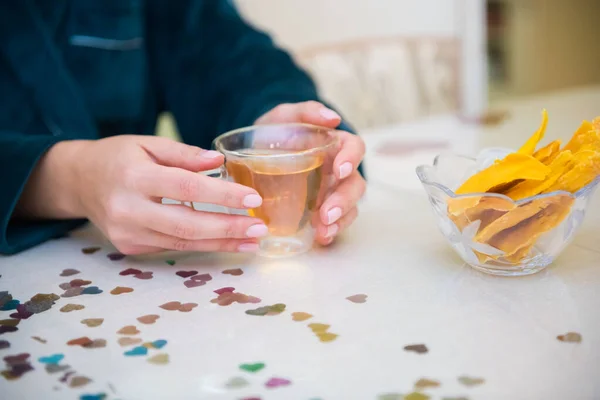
[[95, 344], [93, 290], [570, 337], [10, 305], [236, 383], [120, 290], [275, 309], [79, 282], [72, 292], [186, 274], [357, 298], [170, 262], [417, 348], [318, 327], [228, 298], [128, 341], [65, 285], [202, 277], [171, 306], [92, 322], [159, 359], [470, 381], [144, 275], [39, 339], [261, 311], [10, 322], [224, 290], [425, 383], [191, 283], [22, 312], [234, 272], [326, 336], [301, 316], [137, 351], [5, 329], [254, 367], [54, 368], [69, 272], [80, 341], [130, 271], [187, 307], [79, 381], [66, 376], [159, 344], [115, 256], [416, 396], [17, 359], [90, 250], [71, 307], [277, 382], [390, 396], [455, 398], [128, 330], [148, 319], [53, 359], [4, 344], [98, 396]]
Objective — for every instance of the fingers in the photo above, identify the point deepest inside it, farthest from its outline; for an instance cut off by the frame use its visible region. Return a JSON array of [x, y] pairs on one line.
[[350, 155], [343, 199], [182, 222], [310, 112], [182, 185], [326, 233], [174, 154], [156, 239]]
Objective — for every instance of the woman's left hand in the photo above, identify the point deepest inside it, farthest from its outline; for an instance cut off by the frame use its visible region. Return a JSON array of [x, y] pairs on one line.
[[339, 208]]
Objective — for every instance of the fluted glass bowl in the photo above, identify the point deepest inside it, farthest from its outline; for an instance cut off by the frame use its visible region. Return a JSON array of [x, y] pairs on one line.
[[491, 232]]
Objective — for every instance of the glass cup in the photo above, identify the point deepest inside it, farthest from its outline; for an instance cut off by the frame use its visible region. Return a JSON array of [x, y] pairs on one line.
[[290, 166]]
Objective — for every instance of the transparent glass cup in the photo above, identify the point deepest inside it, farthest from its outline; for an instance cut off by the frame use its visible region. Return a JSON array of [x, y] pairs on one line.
[[290, 166], [491, 232]]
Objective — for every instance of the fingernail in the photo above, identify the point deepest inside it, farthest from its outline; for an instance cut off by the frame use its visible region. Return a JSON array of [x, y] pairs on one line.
[[332, 230], [345, 170], [333, 215], [252, 201], [329, 114], [257, 230], [248, 248], [210, 154]]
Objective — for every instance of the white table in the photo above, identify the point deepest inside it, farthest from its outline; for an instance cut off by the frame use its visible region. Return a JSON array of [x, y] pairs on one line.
[[500, 329]]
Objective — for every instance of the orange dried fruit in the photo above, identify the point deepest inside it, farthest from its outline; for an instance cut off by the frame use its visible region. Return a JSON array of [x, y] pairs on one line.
[[548, 153], [529, 147]]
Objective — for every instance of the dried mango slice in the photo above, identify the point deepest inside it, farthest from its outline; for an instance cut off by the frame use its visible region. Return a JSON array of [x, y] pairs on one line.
[[487, 210], [548, 153], [585, 134], [586, 167], [596, 124], [513, 167], [512, 218], [529, 147], [530, 188], [517, 241]]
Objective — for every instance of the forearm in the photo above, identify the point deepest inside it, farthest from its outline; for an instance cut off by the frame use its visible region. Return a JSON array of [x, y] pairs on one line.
[[51, 190]]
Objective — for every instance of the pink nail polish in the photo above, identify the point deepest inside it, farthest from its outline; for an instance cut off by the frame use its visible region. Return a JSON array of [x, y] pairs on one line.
[[333, 215], [210, 154], [248, 248], [345, 170], [329, 114], [332, 230], [252, 201], [257, 230]]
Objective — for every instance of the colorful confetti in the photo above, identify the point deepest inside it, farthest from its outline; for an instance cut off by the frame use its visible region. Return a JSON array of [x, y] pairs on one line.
[[236, 383], [228, 298], [417, 348], [90, 250], [157, 344], [39, 339], [121, 289], [233, 272], [79, 381], [82, 341], [301, 316], [425, 383], [148, 319], [186, 274], [253, 367], [570, 337], [22, 312], [72, 292], [66, 376], [5, 297], [69, 272], [40, 302], [455, 398], [5, 329], [470, 381], [137, 351], [170, 262], [4, 344], [145, 275], [275, 309], [129, 341], [130, 271], [416, 396], [321, 331], [78, 283], [224, 290], [17, 365], [128, 330], [390, 396], [92, 322], [10, 322], [115, 256], [71, 307], [202, 277], [159, 359], [92, 290], [192, 284], [95, 344], [277, 382], [54, 368], [10, 305], [53, 359], [358, 298], [98, 396], [177, 306]]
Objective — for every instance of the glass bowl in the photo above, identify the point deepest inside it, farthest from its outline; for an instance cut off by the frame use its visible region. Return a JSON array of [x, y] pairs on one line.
[[491, 232]]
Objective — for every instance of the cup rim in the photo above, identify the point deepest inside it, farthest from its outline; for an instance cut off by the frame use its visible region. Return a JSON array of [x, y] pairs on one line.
[[449, 192], [335, 140]]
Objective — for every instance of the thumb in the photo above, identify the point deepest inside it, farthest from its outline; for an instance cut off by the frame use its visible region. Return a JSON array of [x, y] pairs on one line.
[[170, 153], [309, 112]]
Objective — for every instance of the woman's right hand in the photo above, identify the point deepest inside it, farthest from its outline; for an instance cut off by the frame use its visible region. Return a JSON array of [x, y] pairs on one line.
[[118, 184]]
